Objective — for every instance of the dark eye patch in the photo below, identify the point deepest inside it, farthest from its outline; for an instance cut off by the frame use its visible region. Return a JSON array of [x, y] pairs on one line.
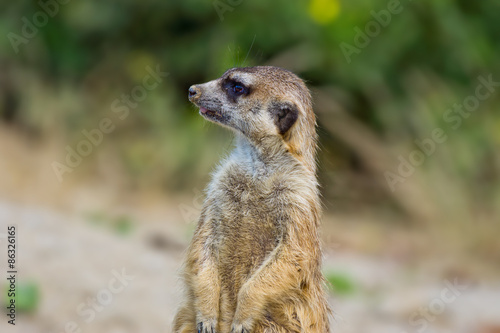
[[234, 89]]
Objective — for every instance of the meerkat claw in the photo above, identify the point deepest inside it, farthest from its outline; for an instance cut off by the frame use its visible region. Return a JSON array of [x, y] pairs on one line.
[[204, 329]]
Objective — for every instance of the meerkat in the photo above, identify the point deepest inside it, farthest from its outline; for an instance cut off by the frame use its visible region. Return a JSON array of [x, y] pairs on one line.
[[254, 263]]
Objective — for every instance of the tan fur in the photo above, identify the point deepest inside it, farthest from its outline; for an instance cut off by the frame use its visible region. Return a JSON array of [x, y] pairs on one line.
[[254, 264]]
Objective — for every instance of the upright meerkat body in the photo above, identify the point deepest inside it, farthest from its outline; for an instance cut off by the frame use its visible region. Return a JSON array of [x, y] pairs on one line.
[[254, 262]]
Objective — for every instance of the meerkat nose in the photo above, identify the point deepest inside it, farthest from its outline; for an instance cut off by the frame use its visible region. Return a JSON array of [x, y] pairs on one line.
[[194, 92]]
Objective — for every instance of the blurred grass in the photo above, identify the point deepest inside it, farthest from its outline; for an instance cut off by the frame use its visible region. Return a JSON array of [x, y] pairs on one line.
[[120, 224], [27, 296], [340, 283]]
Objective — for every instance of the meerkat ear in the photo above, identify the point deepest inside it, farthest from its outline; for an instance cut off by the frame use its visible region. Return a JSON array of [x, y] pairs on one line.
[[284, 115]]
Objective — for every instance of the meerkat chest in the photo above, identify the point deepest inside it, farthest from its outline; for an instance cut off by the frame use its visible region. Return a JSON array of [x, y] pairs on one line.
[[248, 209], [248, 226]]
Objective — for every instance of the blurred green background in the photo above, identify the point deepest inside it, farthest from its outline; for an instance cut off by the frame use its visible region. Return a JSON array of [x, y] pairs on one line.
[[371, 105], [400, 80]]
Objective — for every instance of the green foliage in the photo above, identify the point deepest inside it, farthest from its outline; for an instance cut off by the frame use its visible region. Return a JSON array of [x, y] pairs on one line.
[[121, 224], [27, 296], [340, 283]]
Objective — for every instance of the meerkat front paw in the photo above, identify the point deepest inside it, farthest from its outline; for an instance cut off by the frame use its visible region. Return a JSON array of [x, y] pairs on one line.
[[242, 326], [239, 328], [206, 326]]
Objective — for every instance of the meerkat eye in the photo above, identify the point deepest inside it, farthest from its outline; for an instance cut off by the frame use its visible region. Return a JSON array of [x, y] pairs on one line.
[[238, 89], [235, 89]]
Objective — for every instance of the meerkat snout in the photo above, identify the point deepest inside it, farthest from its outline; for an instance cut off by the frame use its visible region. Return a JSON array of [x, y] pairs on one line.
[[193, 92]]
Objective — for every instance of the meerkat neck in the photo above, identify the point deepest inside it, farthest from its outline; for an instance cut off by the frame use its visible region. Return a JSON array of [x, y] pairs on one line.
[[267, 155]]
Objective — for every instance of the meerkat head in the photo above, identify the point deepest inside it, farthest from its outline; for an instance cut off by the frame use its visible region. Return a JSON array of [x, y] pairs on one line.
[[265, 104]]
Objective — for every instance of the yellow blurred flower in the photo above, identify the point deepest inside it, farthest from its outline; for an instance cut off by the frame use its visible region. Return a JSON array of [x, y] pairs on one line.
[[324, 11]]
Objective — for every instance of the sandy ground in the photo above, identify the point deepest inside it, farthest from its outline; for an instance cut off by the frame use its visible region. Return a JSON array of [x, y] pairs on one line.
[[92, 279]]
